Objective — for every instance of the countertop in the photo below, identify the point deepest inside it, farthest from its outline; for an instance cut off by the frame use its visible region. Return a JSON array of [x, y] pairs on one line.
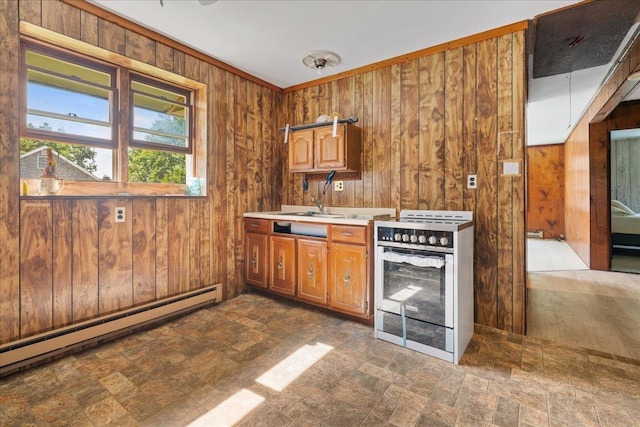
[[345, 216]]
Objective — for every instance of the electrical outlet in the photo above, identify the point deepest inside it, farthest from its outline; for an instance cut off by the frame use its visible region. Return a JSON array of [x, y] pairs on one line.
[[120, 214], [472, 182], [338, 186]]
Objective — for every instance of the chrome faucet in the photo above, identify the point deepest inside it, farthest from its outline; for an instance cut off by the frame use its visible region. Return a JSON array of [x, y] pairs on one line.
[[318, 204]]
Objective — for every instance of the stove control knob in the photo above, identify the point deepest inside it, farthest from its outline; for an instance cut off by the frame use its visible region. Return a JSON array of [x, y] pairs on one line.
[[432, 240], [397, 237], [413, 238], [405, 237], [444, 240], [422, 239]]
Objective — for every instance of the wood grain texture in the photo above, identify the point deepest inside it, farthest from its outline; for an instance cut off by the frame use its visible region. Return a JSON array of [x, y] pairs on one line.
[[505, 183], [486, 289], [431, 153], [36, 284], [115, 275], [445, 111], [62, 251], [196, 240], [545, 203], [9, 164], [84, 265], [143, 250], [586, 190], [178, 246]]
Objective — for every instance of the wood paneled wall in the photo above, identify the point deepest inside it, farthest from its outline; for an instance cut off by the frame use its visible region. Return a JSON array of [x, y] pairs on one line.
[[587, 192], [545, 190], [428, 123], [64, 260], [625, 172]]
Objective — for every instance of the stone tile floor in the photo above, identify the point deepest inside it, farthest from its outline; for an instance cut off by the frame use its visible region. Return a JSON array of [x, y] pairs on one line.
[[253, 361]]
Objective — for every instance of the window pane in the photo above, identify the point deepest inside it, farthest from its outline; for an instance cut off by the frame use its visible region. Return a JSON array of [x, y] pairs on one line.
[[72, 162], [64, 97], [68, 69], [160, 115], [156, 166]]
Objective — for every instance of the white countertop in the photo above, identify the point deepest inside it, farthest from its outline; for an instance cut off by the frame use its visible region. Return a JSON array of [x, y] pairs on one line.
[[346, 216]]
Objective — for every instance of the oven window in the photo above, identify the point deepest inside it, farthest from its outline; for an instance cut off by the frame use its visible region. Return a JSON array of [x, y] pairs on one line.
[[420, 291]]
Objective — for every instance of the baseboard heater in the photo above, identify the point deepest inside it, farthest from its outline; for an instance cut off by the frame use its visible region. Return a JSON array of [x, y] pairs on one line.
[[16, 354]]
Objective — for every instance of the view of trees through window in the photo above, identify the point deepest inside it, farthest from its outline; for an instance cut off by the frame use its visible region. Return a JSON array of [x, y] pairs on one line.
[[145, 165]]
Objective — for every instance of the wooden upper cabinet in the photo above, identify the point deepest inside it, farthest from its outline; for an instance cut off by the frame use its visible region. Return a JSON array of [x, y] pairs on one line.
[[317, 150], [301, 150], [329, 150], [312, 270]]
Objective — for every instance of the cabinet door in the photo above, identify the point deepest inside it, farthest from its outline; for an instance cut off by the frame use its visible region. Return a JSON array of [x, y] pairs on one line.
[[312, 271], [283, 265], [329, 150], [301, 150], [348, 278], [256, 259]]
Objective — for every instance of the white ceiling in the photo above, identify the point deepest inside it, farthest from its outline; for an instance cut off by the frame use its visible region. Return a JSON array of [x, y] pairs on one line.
[[268, 39]]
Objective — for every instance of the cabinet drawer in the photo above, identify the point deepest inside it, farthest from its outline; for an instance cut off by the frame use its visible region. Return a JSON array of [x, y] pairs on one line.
[[253, 225], [349, 234]]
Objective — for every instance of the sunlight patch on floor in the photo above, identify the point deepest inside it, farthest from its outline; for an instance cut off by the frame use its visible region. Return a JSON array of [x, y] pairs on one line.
[[281, 375], [231, 410]]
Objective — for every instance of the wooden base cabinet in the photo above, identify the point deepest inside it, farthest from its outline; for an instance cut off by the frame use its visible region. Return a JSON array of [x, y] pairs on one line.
[[282, 278], [312, 271], [333, 272], [349, 285], [256, 259]]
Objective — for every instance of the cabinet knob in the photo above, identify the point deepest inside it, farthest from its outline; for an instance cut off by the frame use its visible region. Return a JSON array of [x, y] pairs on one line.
[[347, 278], [310, 272], [280, 264]]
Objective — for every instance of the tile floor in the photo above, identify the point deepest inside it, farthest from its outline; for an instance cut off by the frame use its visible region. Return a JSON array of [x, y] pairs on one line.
[[253, 361]]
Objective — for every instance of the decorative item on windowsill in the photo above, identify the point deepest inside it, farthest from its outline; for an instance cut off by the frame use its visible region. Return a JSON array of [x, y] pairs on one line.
[[49, 182]]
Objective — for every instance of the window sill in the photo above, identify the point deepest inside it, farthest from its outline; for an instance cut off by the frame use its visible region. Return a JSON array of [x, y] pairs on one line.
[[85, 189]]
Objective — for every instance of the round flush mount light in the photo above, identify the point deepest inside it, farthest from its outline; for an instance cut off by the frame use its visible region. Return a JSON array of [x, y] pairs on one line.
[[321, 59]]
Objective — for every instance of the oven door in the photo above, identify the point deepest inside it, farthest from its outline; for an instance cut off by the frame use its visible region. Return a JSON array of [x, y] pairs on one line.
[[416, 284]]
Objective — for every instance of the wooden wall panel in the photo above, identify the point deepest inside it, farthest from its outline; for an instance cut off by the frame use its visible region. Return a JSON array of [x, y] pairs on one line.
[[427, 124], [171, 245], [505, 183], [143, 250], [587, 189], [545, 201], [62, 253], [115, 278], [431, 152], [178, 246], [9, 163], [486, 290], [453, 150], [36, 286]]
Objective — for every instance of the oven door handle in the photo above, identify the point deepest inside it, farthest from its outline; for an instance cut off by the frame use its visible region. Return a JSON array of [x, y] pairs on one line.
[[415, 260]]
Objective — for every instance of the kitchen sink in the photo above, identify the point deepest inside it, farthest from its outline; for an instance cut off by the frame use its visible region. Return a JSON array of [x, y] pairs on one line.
[[312, 214]]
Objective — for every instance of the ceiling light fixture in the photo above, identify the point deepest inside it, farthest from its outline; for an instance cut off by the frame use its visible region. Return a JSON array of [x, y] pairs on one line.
[[321, 59]]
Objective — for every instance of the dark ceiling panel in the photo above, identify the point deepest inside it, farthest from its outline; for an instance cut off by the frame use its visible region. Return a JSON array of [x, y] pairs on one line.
[[597, 29]]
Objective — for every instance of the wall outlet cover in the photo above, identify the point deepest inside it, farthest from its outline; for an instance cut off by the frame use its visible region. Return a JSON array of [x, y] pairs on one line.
[[338, 185], [119, 214]]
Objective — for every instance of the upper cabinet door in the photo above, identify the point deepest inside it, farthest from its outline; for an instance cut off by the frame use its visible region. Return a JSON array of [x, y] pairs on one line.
[[330, 152], [301, 150]]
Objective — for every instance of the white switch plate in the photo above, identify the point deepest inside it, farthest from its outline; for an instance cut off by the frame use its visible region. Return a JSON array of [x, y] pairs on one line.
[[338, 186], [119, 214], [472, 182]]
